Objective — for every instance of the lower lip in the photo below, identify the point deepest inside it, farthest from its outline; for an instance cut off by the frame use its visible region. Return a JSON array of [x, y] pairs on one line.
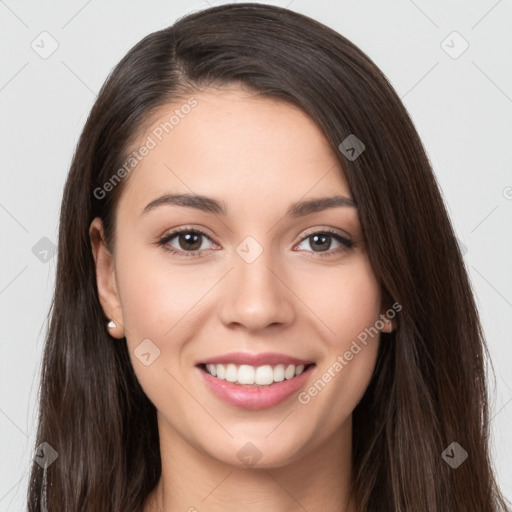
[[255, 397]]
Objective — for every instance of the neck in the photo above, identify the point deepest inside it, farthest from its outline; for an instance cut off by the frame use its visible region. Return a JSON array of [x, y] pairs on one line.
[[192, 481]]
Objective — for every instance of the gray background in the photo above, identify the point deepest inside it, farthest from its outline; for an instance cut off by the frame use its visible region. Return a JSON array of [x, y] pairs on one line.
[[461, 106]]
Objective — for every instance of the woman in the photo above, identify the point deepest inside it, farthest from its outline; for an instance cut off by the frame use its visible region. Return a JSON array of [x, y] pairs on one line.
[[260, 302]]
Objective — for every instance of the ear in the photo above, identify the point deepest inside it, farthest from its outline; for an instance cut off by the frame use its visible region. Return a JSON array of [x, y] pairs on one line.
[[106, 278], [389, 323], [388, 314]]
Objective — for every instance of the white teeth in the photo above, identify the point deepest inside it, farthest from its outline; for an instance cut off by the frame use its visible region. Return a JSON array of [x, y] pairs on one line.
[[246, 374], [289, 373], [264, 375], [250, 375], [231, 373], [279, 373], [221, 371], [212, 369]]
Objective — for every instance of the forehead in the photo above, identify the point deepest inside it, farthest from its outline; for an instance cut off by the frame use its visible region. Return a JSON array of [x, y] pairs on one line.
[[235, 145]]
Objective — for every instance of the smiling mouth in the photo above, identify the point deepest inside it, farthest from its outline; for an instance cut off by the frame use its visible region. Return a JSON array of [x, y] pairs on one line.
[[254, 376]]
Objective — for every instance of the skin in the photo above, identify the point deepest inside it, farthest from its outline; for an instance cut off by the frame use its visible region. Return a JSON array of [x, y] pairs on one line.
[[258, 156]]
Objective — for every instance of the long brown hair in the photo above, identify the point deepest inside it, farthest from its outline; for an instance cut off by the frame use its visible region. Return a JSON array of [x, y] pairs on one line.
[[429, 386]]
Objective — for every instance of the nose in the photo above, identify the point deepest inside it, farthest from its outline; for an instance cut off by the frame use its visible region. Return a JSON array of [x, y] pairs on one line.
[[257, 295]]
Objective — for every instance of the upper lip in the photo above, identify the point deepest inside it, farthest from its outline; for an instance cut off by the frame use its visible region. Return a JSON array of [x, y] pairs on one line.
[[270, 358]]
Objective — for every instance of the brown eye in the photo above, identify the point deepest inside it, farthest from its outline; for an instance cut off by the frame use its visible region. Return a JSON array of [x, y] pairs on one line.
[[189, 241], [184, 241], [321, 242]]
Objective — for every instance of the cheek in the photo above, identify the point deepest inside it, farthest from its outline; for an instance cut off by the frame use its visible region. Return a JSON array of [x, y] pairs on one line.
[[157, 302], [350, 310], [156, 295], [344, 299]]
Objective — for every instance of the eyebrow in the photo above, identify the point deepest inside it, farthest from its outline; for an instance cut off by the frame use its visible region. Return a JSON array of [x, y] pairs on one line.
[[210, 205]]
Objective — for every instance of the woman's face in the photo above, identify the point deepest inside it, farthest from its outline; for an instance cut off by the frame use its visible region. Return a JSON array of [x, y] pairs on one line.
[[264, 280]]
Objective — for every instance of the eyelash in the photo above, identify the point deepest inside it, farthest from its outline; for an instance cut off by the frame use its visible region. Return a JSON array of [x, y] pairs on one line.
[[163, 242]]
